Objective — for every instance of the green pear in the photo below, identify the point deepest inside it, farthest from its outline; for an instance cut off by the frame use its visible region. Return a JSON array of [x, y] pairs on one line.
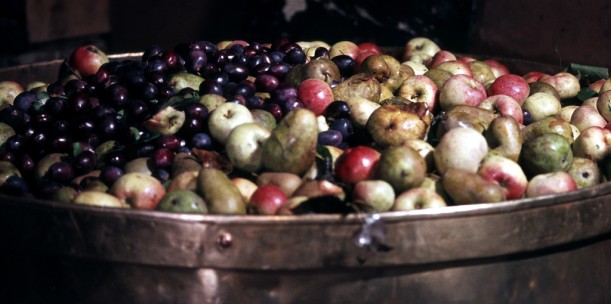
[[182, 201], [219, 193], [291, 147]]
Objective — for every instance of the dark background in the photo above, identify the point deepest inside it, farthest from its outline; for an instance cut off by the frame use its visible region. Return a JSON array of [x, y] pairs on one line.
[[546, 30]]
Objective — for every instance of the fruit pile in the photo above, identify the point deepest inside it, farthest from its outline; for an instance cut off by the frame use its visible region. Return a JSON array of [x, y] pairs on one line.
[[300, 127]]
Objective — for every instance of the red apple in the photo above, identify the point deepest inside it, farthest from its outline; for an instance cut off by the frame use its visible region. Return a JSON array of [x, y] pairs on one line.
[[465, 59], [344, 48], [455, 67], [87, 60], [511, 85], [362, 55], [565, 83], [419, 88], [461, 90], [268, 199], [504, 105], [369, 47], [356, 164], [141, 191], [533, 76], [550, 183], [597, 85], [498, 68], [505, 172], [441, 56], [315, 94]]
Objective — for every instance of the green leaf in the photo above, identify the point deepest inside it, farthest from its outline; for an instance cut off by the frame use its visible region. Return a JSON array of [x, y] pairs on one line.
[[76, 148], [591, 73], [41, 100], [586, 93], [324, 163]]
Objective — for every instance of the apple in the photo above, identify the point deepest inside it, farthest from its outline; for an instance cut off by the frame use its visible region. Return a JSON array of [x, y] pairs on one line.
[[550, 184], [596, 86], [360, 110], [418, 68], [603, 105], [418, 198], [441, 56], [166, 122], [452, 152], [566, 83], [505, 172], [541, 105], [369, 47], [182, 201], [511, 85], [361, 57], [465, 59], [606, 86], [315, 94], [356, 164], [97, 198], [533, 76], [8, 91], [503, 105], [592, 101], [138, 190], [267, 199], [419, 88], [244, 146], [245, 186], [481, 72], [421, 47], [225, 118], [393, 124], [288, 182], [455, 67], [586, 116], [593, 143], [461, 90], [87, 60], [585, 172], [498, 68], [374, 195], [566, 112], [317, 188], [345, 47]]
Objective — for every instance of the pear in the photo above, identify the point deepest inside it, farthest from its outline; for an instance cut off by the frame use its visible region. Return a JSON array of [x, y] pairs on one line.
[[359, 85], [183, 201], [465, 187], [183, 80], [546, 153], [219, 193], [504, 136], [548, 125], [291, 147], [321, 68], [402, 167]]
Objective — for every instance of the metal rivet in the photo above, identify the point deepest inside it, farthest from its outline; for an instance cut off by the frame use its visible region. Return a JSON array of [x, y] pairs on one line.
[[225, 239]]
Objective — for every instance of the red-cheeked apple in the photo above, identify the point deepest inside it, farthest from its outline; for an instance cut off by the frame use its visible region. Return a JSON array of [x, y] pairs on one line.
[[315, 94], [138, 190], [87, 60], [505, 172]]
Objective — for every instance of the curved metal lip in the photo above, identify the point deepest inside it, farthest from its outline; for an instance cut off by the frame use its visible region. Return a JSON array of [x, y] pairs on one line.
[[482, 209]]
